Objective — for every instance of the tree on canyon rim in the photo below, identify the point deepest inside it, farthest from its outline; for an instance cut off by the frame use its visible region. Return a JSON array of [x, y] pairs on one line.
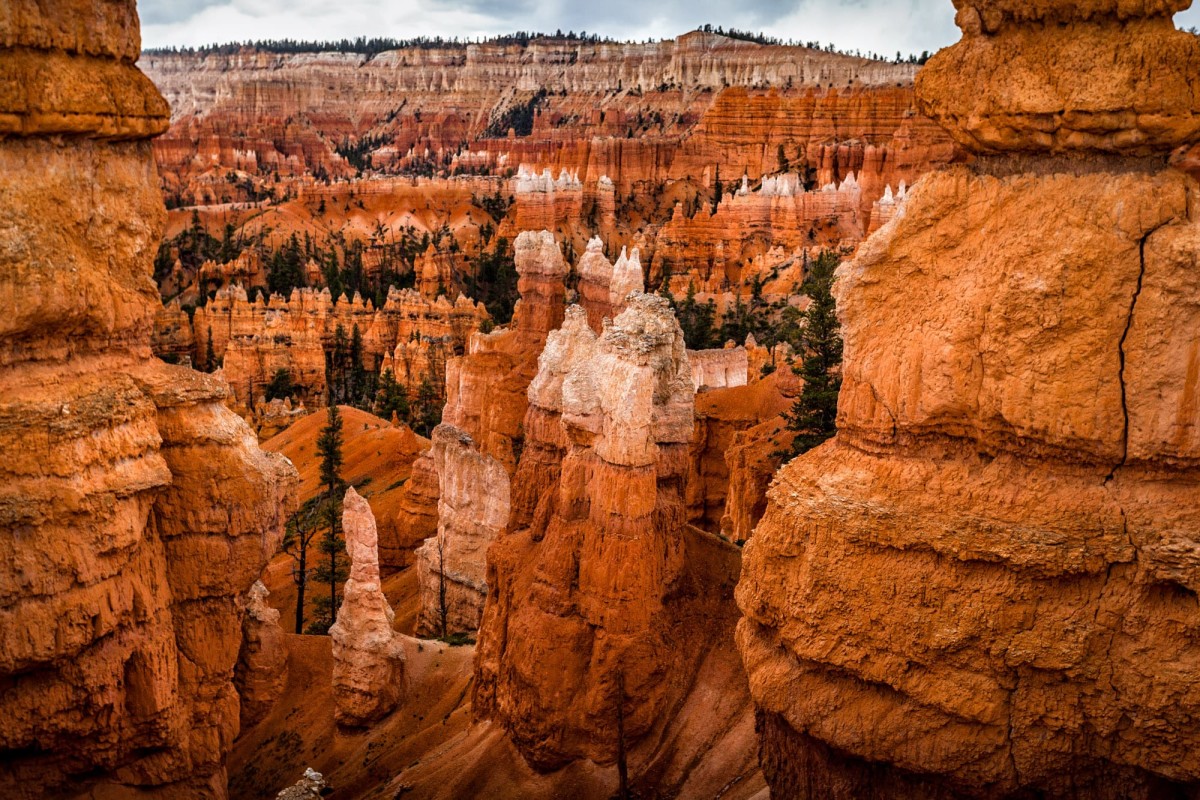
[[819, 344]]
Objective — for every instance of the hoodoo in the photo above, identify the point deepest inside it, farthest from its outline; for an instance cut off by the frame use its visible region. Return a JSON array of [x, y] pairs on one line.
[[986, 585], [135, 508], [368, 656], [576, 629]]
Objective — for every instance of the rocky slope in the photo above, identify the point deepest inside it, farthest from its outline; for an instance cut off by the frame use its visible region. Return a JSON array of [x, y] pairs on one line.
[[136, 508], [985, 585]]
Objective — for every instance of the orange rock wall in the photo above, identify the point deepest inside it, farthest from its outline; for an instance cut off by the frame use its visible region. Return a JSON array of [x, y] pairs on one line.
[[136, 508], [983, 586]]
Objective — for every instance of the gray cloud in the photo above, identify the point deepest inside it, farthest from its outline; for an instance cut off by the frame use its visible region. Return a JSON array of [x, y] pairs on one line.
[[882, 26]]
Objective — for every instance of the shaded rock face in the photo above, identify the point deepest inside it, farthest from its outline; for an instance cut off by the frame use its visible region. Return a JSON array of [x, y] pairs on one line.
[[136, 508], [473, 506], [368, 656], [579, 584], [985, 585], [261, 672], [417, 518]]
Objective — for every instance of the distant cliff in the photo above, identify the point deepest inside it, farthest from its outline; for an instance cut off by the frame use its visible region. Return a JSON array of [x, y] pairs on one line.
[[634, 112]]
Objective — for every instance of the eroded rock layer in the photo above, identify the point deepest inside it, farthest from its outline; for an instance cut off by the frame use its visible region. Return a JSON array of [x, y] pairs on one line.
[[581, 601], [473, 506], [368, 656], [985, 586], [135, 507]]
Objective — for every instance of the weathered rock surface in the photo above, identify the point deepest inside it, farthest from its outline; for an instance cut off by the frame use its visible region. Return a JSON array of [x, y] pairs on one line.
[[1033, 68], [580, 616], [737, 431], [983, 586], [473, 506], [307, 788], [368, 656], [136, 508], [261, 672], [416, 515]]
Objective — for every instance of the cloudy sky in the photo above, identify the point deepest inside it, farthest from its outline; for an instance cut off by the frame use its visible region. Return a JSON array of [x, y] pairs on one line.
[[883, 26]]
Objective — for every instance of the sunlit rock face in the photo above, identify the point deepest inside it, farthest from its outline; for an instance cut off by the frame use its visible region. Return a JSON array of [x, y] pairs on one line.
[[580, 584], [473, 507], [136, 509], [986, 585]]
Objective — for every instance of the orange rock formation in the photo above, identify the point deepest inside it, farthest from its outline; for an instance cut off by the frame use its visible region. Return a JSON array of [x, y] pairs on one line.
[[368, 656], [262, 664], [136, 509], [620, 136], [985, 585], [580, 585], [633, 112], [410, 335], [473, 506]]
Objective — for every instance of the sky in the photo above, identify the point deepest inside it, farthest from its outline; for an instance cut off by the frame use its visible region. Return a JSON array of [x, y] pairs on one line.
[[881, 26]]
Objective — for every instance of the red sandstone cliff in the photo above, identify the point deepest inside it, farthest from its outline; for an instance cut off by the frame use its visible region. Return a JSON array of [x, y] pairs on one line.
[[622, 110], [620, 136], [598, 587]]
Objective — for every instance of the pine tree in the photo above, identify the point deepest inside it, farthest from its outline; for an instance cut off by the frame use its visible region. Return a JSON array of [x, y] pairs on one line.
[[390, 398], [335, 370], [717, 190], [281, 385], [427, 409], [297, 538], [814, 414], [286, 269], [334, 568], [696, 320], [356, 376]]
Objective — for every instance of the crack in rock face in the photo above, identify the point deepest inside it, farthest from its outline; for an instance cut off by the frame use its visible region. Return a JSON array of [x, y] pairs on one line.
[[959, 596]]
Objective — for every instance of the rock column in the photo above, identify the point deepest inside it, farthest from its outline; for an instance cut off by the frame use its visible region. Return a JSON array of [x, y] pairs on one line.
[[986, 585], [368, 656], [135, 509]]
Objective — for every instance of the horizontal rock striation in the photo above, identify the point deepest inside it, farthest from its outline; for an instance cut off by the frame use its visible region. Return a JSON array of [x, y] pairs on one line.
[[136, 508], [984, 586]]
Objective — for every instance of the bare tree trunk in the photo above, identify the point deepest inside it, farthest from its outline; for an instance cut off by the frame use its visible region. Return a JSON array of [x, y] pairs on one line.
[[301, 582]]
